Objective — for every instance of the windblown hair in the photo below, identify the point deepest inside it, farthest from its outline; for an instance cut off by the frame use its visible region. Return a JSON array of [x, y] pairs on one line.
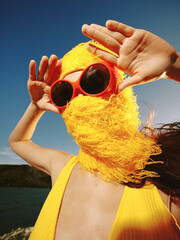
[[168, 137]]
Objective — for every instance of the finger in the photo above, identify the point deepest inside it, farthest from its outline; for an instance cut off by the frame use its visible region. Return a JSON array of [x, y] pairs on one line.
[[102, 38], [42, 67], [126, 30], [57, 72], [116, 35], [50, 68], [47, 89], [51, 107], [32, 70], [102, 54], [129, 82]]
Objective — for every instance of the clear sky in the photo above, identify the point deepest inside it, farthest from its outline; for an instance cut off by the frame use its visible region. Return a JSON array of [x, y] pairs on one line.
[[31, 29]]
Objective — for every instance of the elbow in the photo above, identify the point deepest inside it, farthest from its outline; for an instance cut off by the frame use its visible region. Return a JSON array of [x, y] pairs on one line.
[[16, 139], [11, 141]]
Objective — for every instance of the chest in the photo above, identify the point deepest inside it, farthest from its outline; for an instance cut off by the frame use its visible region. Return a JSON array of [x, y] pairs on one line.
[[88, 208]]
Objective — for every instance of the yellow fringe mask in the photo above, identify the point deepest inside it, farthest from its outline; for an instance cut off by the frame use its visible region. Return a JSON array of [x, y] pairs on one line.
[[107, 129]]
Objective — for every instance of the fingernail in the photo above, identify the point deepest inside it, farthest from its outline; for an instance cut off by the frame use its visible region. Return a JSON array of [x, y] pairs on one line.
[[84, 27]]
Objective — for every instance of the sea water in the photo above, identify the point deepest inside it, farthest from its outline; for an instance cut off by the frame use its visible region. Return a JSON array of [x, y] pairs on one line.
[[20, 207]]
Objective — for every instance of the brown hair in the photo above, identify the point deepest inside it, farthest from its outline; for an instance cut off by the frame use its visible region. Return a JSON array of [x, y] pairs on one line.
[[168, 137]]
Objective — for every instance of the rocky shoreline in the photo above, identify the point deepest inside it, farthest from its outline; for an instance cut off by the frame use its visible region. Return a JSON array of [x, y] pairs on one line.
[[18, 234]]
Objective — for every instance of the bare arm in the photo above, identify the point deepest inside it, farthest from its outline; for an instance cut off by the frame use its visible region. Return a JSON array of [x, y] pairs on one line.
[[138, 52], [20, 138]]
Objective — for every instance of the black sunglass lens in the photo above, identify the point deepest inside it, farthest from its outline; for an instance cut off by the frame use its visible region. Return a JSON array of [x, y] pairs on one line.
[[61, 93], [95, 79]]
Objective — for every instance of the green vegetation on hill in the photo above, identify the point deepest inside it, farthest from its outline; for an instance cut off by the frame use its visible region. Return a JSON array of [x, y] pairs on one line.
[[23, 176]]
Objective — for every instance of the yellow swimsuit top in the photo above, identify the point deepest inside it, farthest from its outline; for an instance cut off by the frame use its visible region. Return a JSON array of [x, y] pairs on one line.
[[142, 214]]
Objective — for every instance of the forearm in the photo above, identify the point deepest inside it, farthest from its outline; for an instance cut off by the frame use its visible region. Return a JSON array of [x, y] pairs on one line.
[[26, 126], [173, 72]]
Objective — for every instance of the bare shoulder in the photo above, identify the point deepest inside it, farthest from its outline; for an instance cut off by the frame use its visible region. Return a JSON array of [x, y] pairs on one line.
[[58, 161], [173, 207], [175, 210]]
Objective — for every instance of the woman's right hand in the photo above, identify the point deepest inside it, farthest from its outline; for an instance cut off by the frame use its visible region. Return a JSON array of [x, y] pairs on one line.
[[39, 87]]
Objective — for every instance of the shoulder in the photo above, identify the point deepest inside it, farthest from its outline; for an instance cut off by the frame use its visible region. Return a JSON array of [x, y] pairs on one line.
[[172, 206], [58, 161], [175, 210]]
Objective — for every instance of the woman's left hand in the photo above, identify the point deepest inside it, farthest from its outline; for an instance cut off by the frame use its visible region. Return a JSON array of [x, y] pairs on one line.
[[137, 52]]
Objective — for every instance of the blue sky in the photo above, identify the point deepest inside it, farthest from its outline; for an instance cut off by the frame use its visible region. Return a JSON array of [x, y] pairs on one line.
[[31, 29]]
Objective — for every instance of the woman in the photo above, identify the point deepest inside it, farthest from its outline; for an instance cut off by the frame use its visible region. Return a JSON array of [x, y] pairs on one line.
[[88, 204]]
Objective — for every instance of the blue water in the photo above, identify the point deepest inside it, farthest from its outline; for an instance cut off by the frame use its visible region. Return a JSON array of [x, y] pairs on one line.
[[20, 207]]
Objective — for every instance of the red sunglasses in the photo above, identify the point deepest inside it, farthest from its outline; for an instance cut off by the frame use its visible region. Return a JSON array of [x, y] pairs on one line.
[[98, 79]]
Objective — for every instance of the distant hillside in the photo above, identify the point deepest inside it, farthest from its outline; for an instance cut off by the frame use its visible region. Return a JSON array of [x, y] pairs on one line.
[[23, 176]]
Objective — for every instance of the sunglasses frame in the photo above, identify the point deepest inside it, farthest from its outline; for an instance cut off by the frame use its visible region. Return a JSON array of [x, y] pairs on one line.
[[111, 88]]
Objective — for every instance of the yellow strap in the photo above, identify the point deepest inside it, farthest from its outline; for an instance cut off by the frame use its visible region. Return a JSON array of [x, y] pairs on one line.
[[45, 226], [142, 214]]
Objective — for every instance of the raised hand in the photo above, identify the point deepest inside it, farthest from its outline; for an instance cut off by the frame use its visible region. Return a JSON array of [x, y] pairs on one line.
[[39, 88], [138, 52]]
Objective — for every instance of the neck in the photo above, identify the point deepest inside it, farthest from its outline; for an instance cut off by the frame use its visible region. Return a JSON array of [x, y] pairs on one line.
[[110, 172]]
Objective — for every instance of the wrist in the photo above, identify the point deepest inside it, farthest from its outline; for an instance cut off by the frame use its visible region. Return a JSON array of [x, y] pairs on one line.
[[34, 108], [173, 72]]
